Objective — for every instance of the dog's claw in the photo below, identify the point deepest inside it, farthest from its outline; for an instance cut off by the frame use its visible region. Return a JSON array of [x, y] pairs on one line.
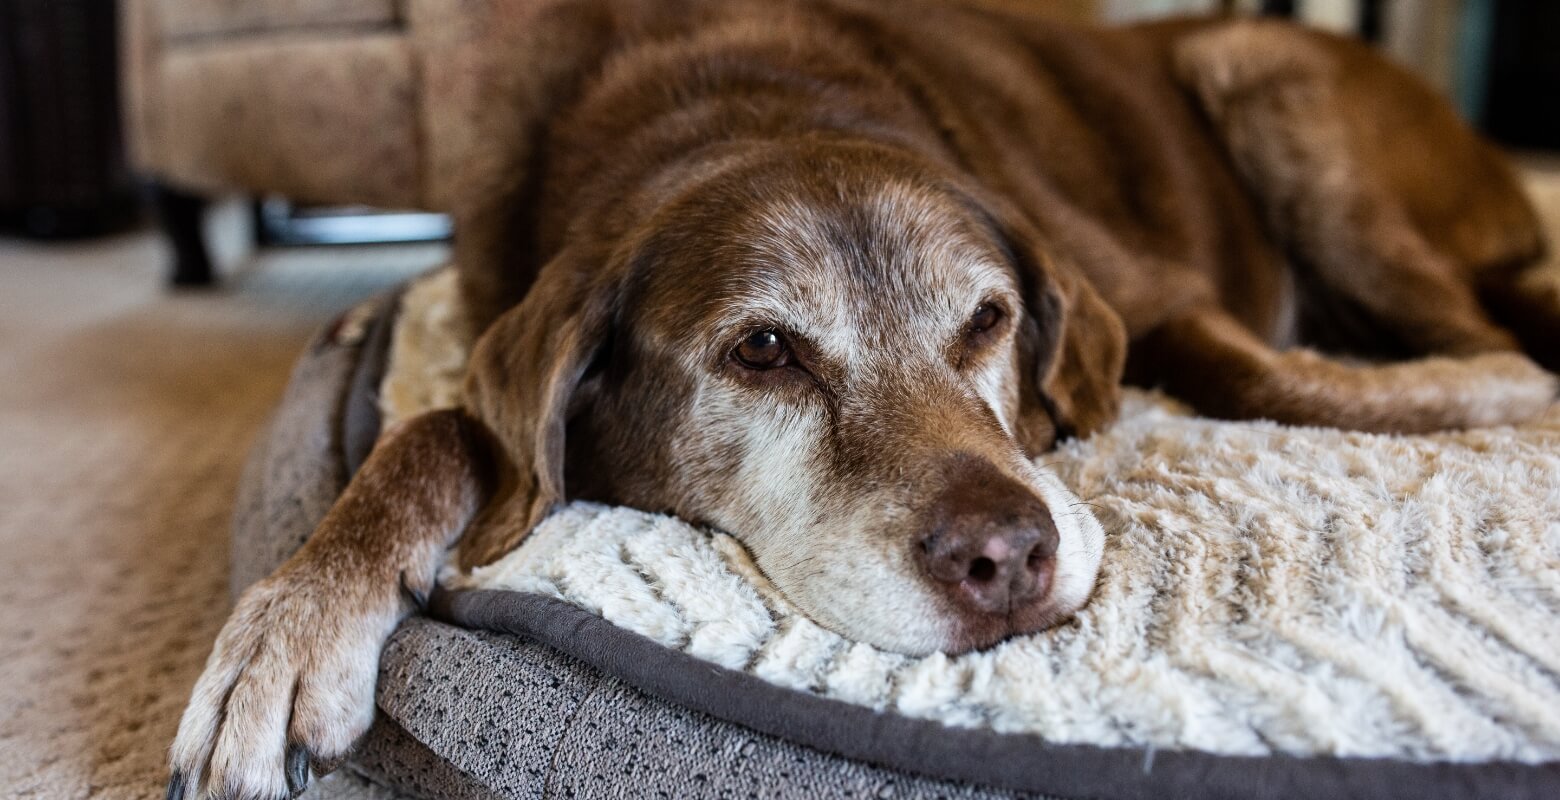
[[417, 597], [289, 664], [325, 766], [297, 770], [176, 786]]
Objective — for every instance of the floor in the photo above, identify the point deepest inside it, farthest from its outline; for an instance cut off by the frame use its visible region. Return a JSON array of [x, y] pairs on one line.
[[125, 413]]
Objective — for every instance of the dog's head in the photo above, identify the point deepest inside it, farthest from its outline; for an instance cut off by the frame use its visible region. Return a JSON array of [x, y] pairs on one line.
[[842, 357]]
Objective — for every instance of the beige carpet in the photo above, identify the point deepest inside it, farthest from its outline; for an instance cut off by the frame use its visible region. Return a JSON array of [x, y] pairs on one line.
[[124, 416]]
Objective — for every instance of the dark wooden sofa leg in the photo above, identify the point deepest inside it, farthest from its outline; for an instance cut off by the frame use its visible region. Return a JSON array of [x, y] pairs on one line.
[[180, 214]]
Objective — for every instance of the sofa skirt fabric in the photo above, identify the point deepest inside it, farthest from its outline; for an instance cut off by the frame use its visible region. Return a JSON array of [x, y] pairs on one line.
[[318, 119], [502, 694], [194, 19]]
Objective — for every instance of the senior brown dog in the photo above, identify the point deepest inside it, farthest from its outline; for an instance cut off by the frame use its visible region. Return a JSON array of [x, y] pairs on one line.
[[827, 275]]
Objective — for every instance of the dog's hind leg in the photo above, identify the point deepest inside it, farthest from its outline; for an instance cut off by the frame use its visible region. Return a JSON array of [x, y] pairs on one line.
[[1210, 360], [1380, 194]]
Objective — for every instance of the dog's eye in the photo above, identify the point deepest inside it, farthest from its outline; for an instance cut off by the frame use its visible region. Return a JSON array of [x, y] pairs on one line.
[[985, 318], [763, 349]]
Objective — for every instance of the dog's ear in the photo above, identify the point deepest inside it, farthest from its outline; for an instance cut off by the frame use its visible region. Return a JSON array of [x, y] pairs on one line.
[[523, 376], [1072, 343]]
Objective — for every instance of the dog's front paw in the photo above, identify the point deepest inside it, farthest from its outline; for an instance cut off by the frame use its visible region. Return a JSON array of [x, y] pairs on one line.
[[288, 688], [1510, 390]]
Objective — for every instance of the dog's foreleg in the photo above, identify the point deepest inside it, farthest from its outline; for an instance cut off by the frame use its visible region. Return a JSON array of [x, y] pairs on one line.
[[1208, 359], [289, 685]]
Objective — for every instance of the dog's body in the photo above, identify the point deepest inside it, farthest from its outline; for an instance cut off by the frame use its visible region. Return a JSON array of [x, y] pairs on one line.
[[827, 275]]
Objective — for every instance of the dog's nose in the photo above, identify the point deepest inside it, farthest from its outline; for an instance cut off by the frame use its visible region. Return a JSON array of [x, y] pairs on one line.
[[992, 564], [991, 544]]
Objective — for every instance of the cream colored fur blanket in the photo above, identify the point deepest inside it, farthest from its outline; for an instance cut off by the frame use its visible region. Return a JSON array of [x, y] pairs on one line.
[[1264, 589]]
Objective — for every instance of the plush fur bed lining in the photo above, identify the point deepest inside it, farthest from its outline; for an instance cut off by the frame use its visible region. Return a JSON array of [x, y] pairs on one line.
[[1264, 590]]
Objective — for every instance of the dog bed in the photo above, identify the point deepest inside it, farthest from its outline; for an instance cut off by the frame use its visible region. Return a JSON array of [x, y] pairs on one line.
[[1280, 613]]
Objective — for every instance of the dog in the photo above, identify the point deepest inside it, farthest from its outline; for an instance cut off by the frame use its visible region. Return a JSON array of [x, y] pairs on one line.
[[830, 274]]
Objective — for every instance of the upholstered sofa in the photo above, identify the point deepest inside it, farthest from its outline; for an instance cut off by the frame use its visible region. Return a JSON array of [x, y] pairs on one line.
[[349, 102], [331, 101], [340, 102]]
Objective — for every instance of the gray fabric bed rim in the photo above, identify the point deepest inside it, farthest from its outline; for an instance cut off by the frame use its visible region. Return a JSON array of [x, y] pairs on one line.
[[1016, 763]]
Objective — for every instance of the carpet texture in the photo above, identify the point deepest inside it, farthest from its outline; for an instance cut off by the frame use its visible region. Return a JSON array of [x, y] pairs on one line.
[[125, 416]]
